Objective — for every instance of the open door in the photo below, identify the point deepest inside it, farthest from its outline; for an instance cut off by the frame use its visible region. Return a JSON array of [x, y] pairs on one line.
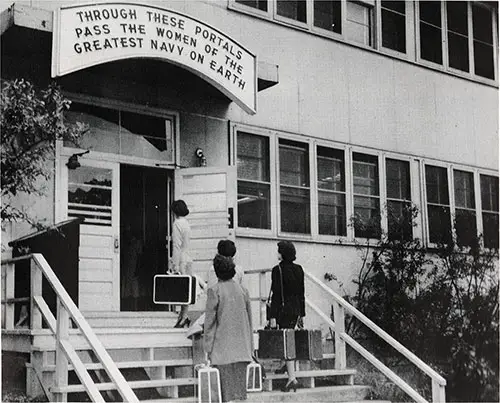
[[210, 193]]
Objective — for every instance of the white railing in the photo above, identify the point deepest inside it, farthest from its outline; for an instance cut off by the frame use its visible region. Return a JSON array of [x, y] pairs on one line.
[[340, 307], [67, 312]]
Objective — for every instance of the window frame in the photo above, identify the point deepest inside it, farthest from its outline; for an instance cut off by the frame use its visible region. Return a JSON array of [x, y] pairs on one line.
[[453, 206], [444, 44], [479, 207]]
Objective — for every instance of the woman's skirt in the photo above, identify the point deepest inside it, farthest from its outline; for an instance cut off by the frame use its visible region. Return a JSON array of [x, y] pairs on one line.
[[233, 381]]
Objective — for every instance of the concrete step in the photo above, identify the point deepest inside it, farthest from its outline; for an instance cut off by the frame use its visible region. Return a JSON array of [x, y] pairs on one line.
[[344, 393]]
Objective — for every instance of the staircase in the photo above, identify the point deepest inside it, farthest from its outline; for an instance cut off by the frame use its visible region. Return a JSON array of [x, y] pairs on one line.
[[157, 362]]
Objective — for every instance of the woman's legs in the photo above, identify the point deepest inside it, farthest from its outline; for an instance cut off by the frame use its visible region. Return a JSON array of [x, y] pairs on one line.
[[290, 368], [182, 319]]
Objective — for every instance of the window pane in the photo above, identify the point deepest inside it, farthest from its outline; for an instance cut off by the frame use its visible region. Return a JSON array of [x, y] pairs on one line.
[[465, 227], [430, 43], [458, 51], [296, 10], [393, 31], [439, 224], [365, 174], [359, 23], [456, 12], [430, 12], [436, 185], [327, 15], [254, 207], [331, 213], [464, 189], [399, 220], [398, 6], [295, 210], [253, 157], [258, 4], [398, 179], [483, 60], [294, 163], [367, 217], [490, 230], [331, 169], [482, 29], [489, 193]]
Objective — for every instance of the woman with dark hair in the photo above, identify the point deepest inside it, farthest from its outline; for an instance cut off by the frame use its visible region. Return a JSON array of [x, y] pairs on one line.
[[287, 300], [227, 248], [228, 340], [181, 261]]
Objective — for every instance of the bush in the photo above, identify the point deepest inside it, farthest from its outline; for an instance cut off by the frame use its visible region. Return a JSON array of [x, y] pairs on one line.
[[441, 304]]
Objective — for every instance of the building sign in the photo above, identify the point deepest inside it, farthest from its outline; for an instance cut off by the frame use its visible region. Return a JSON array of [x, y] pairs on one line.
[[87, 35]]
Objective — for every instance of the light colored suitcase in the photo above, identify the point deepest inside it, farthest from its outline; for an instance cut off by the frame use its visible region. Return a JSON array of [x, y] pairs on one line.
[[209, 390], [254, 377]]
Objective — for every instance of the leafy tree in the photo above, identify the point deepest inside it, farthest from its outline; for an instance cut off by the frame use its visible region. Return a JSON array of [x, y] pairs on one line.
[[31, 121]]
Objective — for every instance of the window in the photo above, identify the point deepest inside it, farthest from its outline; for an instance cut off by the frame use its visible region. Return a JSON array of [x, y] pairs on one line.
[[458, 32], [331, 191], [430, 31], [482, 33], [294, 10], [327, 15], [257, 4], [399, 218], [366, 196], [394, 25], [438, 204], [294, 187], [254, 208], [489, 207], [359, 23], [465, 208]]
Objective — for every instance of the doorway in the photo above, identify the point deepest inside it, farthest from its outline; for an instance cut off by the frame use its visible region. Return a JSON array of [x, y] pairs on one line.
[[145, 197]]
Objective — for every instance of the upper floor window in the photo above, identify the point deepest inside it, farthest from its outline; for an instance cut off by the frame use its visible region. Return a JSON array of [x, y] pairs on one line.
[[489, 207], [254, 188], [465, 208], [394, 25], [257, 4], [431, 31], [331, 191], [399, 218], [458, 34], [293, 9], [366, 195], [482, 33], [327, 15], [294, 187], [438, 204], [359, 23]]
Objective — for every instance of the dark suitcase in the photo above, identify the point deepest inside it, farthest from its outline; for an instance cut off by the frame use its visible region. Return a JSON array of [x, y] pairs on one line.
[[277, 343], [308, 344], [176, 289]]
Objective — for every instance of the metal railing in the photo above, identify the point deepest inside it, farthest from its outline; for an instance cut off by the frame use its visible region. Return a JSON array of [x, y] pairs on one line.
[[67, 312], [340, 307]]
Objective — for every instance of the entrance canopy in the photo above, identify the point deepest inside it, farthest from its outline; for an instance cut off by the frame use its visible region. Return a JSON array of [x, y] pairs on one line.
[[93, 34]]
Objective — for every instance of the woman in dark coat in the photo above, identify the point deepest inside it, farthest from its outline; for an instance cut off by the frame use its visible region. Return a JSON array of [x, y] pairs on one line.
[[228, 338], [288, 300]]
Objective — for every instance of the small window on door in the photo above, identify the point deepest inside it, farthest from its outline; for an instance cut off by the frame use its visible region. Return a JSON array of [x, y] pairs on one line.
[[89, 195]]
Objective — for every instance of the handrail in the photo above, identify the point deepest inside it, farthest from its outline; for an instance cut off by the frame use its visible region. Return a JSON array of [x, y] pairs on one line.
[[438, 382], [67, 309]]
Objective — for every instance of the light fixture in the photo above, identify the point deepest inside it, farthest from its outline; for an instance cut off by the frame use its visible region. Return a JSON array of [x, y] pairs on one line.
[[202, 161], [73, 162]]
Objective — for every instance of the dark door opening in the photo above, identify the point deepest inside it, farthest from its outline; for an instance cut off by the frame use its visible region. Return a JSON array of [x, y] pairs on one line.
[[144, 228]]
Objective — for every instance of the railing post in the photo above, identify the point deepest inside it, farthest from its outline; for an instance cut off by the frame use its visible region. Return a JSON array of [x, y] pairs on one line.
[[263, 297], [438, 392], [61, 375], [9, 293], [36, 291], [340, 351]]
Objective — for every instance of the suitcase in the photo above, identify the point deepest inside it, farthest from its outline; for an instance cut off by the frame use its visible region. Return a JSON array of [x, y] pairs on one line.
[[209, 390], [175, 289], [277, 343], [308, 344], [254, 377]]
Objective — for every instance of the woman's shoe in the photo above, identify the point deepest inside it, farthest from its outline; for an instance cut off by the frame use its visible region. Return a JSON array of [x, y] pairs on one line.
[[281, 370], [183, 322], [290, 385]]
